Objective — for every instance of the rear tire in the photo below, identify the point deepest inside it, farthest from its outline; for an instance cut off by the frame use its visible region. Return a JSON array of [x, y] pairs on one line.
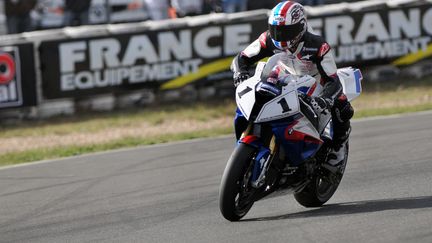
[[233, 195], [321, 188]]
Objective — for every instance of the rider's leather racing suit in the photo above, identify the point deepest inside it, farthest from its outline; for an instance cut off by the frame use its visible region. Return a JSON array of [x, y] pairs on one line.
[[312, 57]]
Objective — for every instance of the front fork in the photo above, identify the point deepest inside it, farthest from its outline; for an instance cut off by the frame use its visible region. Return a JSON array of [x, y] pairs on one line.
[[258, 136]]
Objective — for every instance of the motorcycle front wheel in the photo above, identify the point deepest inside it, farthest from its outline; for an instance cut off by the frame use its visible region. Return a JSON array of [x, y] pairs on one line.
[[322, 187], [235, 193]]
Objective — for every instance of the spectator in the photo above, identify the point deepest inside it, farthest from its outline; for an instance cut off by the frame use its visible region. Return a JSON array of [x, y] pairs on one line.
[[76, 12], [232, 6], [311, 2], [157, 9], [18, 15], [260, 4], [187, 7], [212, 6], [136, 4]]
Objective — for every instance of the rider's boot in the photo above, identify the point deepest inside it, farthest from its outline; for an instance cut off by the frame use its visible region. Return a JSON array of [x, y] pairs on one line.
[[338, 149], [342, 112]]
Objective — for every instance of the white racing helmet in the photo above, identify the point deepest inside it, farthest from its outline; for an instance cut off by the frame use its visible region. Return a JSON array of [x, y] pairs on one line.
[[287, 24]]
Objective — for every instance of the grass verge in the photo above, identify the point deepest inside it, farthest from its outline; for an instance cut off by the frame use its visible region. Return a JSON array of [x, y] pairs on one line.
[[74, 150], [70, 136]]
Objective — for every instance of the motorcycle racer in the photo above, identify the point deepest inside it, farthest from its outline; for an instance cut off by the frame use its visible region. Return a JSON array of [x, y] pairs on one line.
[[309, 54]]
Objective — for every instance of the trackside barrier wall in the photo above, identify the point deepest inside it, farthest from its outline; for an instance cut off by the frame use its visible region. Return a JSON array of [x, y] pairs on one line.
[[17, 76], [113, 61]]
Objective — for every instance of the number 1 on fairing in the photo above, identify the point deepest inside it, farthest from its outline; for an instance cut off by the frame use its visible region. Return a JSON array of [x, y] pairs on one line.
[[245, 91], [284, 105]]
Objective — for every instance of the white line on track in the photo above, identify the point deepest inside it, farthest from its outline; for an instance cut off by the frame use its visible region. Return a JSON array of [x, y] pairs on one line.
[[421, 113]]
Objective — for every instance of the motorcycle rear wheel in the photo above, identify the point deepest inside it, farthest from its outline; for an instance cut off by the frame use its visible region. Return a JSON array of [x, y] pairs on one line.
[[321, 188], [235, 190]]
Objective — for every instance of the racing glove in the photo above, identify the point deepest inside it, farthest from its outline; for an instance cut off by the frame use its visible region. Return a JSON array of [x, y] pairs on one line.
[[239, 77], [343, 109]]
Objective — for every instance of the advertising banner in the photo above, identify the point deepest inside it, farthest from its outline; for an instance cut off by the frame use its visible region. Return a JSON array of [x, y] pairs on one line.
[[155, 59], [17, 76], [400, 35], [173, 58]]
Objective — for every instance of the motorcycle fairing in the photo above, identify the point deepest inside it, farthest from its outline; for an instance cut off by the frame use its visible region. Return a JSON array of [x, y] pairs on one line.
[[293, 131], [245, 92], [278, 107], [251, 140], [350, 79], [298, 138], [328, 131]]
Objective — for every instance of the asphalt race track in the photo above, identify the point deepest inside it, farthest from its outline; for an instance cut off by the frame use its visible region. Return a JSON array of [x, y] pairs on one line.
[[169, 193]]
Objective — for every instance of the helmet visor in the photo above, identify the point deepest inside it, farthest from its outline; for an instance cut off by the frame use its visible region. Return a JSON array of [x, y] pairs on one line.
[[285, 32]]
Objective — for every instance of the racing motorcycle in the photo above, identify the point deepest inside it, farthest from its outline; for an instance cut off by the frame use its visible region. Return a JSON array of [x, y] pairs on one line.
[[286, 144]]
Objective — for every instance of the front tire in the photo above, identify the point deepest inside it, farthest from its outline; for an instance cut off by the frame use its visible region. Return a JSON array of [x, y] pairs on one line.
[[322, 187], [235, 189]]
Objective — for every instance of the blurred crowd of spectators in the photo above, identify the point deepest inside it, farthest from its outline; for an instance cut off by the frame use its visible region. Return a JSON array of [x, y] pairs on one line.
[[163, 9], [18, 15], [76, 12], [18, 19]]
